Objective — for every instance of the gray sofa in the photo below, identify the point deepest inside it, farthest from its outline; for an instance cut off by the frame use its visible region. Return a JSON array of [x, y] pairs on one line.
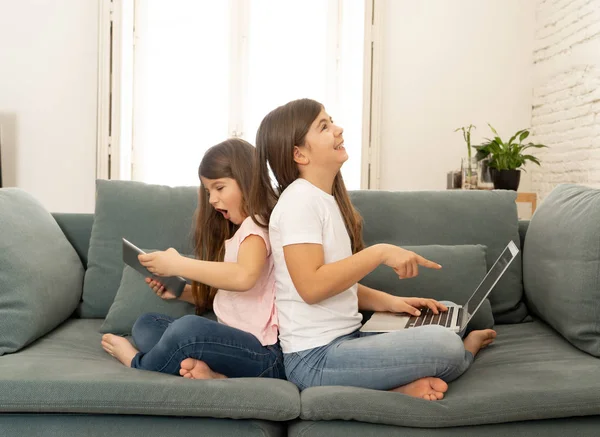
[[539, 378]]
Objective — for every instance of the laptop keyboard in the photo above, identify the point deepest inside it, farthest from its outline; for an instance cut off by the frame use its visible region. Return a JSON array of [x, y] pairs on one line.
[[427, 317]]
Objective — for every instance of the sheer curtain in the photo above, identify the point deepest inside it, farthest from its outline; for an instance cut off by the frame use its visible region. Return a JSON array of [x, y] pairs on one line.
[[209, 70], [181, 87]]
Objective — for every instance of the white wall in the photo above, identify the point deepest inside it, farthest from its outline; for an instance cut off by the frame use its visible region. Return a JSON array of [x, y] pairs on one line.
[[566, 104], [48, 87], [448, 64]]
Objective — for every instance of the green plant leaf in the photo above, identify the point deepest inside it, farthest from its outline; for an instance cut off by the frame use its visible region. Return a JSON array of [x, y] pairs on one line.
[[509, 155], [515, 136], [532, 158], [537, 146], [493, 130]]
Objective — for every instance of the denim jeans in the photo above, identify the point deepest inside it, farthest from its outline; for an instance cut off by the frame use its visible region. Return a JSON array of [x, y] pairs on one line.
[[164, 342], [381, 361]]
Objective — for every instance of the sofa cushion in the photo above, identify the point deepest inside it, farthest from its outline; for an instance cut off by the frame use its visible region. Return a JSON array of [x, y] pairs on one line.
[[41, 275], [148, 216], [101, 425], [529, 373], [463, 268], [135, 298], [561, 266], [449, 218], [574, 426], [67, 371]]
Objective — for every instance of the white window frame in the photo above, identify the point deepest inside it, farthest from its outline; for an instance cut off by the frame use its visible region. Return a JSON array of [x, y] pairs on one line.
[[103, 146], [116, 41], [115, 65], [372, 80], [238, 59]]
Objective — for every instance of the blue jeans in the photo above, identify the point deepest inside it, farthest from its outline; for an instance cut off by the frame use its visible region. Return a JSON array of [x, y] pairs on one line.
[[164, 342], [381, 361]]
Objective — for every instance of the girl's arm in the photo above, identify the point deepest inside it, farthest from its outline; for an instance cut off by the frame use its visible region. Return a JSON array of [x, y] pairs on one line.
[[231, 276], [375, 300], [316, 281]]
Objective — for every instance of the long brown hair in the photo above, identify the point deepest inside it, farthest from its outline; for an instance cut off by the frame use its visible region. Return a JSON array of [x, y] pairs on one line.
[[233, 159], [278, 133]]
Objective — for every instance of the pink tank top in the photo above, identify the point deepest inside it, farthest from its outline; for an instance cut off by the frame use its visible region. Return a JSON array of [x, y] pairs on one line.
[[254, 310]]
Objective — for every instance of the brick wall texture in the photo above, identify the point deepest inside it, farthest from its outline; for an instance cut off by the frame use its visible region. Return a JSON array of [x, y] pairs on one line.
[[566, 94]]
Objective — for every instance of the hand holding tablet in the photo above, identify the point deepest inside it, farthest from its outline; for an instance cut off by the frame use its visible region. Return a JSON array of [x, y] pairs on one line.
[[175, 284]]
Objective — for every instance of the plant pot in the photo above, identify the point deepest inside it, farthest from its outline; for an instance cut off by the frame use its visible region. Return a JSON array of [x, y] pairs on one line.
[[506, 179]]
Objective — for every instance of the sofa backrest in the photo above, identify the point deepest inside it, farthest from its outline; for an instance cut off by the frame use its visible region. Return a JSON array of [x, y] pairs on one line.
[[78, 229], [454, 217], [411, 219]]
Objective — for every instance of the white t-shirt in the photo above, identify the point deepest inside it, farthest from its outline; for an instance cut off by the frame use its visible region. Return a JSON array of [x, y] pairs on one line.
[[307, 214]]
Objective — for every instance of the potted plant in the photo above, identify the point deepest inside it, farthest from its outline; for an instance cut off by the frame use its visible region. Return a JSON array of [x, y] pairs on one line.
[[469, 176], [505, 159]]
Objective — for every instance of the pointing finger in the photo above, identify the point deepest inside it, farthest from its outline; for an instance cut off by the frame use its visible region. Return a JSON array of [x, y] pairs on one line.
[[429, 264]]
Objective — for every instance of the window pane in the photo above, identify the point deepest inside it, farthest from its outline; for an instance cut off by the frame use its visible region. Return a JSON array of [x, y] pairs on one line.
[[184, 70], [287, 57], [312, 55], [181, 87]]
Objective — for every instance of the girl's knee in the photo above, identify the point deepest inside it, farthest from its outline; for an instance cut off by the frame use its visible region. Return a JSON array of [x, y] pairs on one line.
[[447, 341], [451, 353], [183, 323], [143, 321], [190, 325]]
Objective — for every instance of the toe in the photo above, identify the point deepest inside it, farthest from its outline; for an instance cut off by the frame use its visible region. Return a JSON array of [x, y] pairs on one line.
[[438, 385], [187, 364]]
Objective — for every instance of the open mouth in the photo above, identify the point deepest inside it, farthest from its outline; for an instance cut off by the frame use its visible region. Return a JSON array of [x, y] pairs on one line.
[[224, 212], [339, 146]]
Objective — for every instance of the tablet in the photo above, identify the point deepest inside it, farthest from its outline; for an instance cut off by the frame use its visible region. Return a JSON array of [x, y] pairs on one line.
[[175, 284]]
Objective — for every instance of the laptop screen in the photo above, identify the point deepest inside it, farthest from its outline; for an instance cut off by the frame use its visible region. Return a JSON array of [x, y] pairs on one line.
[[490, 280]]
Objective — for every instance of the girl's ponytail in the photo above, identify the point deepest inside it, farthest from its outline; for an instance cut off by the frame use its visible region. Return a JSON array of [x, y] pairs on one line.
[[352, 218], [262, 194]]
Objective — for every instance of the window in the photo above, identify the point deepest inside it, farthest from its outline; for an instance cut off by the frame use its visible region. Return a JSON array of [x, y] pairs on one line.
[[204, 71]]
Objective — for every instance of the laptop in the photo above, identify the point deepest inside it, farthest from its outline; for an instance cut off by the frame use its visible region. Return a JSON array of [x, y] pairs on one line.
[[175, 284], [457, 316]]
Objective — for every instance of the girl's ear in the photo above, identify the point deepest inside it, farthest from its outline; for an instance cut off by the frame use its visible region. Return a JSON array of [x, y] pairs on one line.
[[299, 157]]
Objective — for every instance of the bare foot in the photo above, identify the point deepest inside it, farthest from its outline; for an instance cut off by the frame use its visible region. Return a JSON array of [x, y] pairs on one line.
[[119, 347], [477, 340], [196, 369], [430, 389]]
